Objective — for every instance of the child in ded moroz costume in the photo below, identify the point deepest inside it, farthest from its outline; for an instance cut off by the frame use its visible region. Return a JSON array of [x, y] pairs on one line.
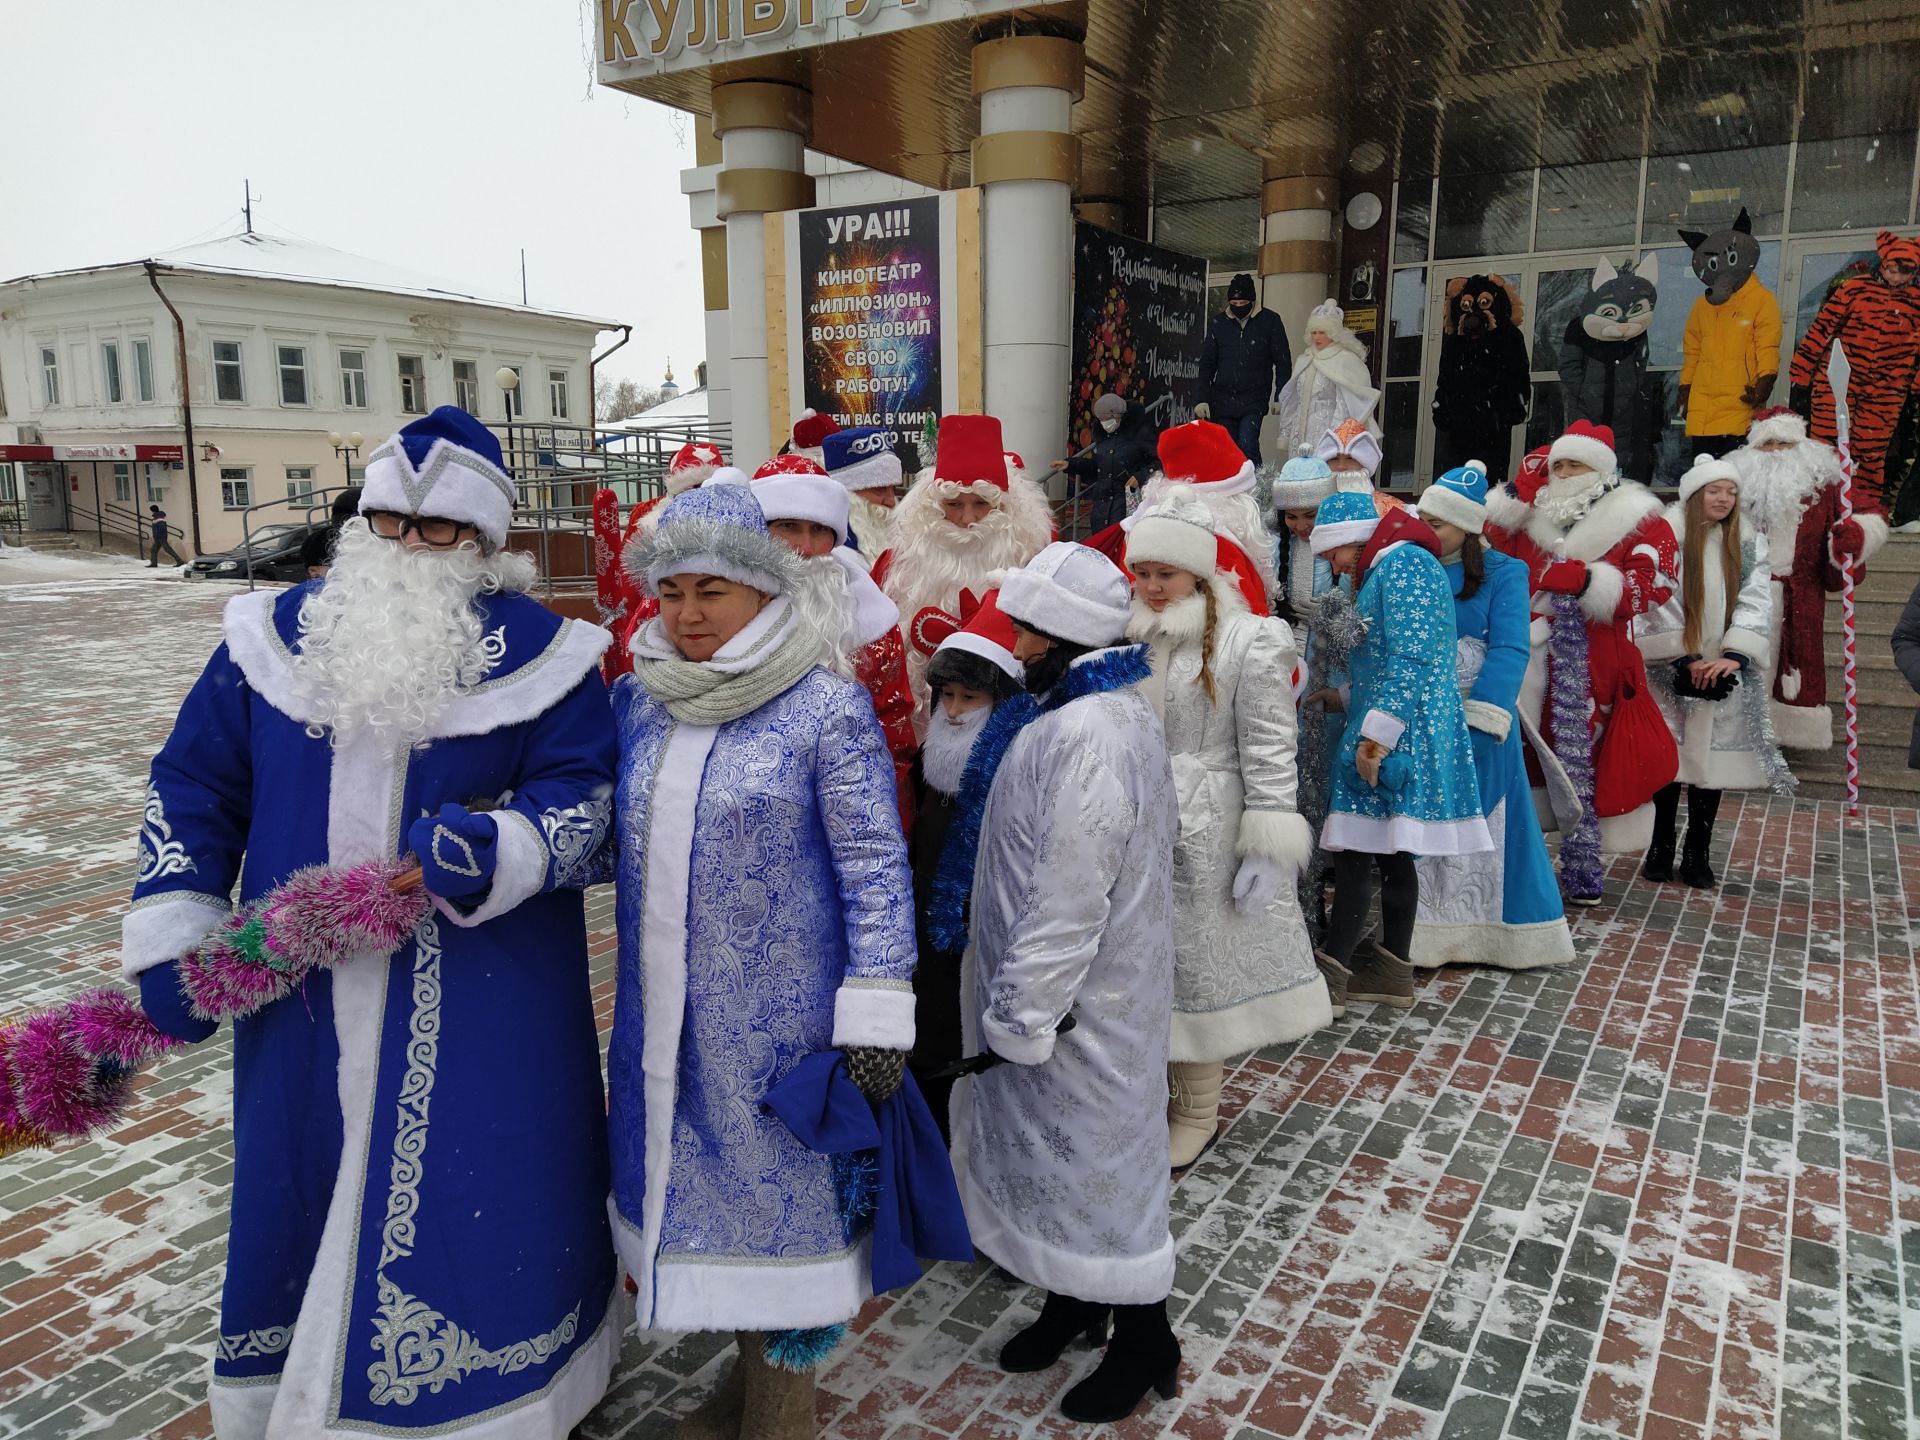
[[765, 914], [1062, 1153], [1243, 975], [1502, 909], [1712, 637], [1403, 780]]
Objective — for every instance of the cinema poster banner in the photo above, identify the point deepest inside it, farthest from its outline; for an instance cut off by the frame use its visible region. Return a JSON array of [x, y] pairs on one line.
[[868, 315], [1139, 317]]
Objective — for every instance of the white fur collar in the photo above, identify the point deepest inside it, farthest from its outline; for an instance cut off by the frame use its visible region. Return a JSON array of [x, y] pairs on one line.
[[1184, 621]]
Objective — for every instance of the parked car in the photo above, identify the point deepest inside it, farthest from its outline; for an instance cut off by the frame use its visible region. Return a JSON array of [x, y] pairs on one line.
[[272, 553]]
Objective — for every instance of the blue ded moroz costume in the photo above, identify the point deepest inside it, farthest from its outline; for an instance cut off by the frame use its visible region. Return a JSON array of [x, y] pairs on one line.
[[1501, 909], [419, 1242]]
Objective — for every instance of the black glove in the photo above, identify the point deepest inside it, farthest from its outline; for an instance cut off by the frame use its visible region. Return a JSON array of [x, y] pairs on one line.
[[877, 1072], [1684, 686], [1800, 401]]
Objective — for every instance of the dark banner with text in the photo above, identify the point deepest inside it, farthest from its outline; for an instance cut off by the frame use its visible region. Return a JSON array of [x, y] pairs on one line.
[[870, 314], [1139, 316]]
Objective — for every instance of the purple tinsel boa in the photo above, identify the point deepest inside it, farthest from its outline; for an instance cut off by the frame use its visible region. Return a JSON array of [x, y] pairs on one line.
[[1572, 717]]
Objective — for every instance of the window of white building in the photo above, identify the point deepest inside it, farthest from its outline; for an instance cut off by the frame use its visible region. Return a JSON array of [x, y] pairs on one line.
[[110, 371], [299, 482], [229, 381], [413, 385], [9, 494], [466, 385], [50, 373], [292, 363], [236, 487], [123, 484], [353, 379], [557, 393], [142, 368]]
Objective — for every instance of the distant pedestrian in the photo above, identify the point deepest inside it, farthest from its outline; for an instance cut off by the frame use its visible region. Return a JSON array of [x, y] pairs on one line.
[[1121, 458], [1243, 363], [162, 533]]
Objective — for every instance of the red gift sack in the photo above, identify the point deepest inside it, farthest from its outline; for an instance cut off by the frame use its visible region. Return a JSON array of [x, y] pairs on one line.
[[1636, 756]]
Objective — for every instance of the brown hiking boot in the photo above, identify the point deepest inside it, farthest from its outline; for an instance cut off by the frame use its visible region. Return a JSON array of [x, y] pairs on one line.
[[1336, 975], [1382, 977]]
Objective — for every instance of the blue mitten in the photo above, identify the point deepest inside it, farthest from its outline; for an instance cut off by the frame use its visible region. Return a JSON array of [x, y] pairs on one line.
[[458, 851], [165, 1001]]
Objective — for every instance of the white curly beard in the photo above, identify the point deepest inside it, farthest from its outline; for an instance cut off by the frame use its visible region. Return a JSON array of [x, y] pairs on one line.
[[1776, 486], [871, 524], [934, 559], [949, 745], [392, 635], [827, 611]]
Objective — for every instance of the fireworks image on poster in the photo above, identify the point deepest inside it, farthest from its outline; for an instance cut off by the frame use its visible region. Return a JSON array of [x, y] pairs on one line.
[[870, 315]]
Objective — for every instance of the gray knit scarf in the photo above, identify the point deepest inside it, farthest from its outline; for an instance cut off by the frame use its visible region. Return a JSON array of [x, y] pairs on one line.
[[776, 650]]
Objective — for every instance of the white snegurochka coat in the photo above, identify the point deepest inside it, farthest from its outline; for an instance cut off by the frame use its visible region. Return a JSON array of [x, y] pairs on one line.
[[1716, 737], [1240, 982], [1062, 1156]]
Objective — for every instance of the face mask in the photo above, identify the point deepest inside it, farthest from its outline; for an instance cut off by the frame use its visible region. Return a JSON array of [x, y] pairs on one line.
[[1240, 308], [1109, 426]]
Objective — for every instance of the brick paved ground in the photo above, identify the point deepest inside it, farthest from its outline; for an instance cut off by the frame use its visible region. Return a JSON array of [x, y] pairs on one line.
[[1671, 1191]]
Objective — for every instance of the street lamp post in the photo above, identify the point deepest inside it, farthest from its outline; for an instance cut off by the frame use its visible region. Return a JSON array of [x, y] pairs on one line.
[[508, 379], [345, 447]]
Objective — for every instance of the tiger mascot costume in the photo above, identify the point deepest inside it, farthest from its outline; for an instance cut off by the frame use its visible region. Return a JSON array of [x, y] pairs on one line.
[[1875, 318]]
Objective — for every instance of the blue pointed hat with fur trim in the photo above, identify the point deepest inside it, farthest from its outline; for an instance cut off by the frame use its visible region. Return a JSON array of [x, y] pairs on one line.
[[862, 459], [446, 465], [1348, 518]]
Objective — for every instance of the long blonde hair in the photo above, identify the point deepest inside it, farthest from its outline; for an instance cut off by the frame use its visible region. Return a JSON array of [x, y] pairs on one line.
[[1206, 641], [1693, 581]]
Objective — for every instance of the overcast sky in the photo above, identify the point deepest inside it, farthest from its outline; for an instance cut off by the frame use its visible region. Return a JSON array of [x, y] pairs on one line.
[[439, 135]]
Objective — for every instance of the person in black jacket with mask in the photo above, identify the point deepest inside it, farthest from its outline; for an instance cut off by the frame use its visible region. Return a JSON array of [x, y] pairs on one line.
[[1124, 453], [1243, 364]]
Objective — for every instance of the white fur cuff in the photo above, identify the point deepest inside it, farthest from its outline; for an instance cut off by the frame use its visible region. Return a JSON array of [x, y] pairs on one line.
[[1605, 585], [1873, 531], [1281, 836], [165, 927], [1383, 728], [519, 871], [876, 1013], [1489, 718], [1020, 1049]]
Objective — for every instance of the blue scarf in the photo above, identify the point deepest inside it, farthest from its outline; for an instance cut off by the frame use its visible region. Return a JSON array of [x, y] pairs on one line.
[[953, 881]]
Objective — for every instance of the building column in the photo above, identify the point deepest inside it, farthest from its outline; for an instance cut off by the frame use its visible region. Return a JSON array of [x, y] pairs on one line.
[[1299, 209], [1026, 162], [698, 185], [762, 125]]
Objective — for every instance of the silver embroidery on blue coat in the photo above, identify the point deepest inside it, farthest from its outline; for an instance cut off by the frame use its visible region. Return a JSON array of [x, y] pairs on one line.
[[573, 834], [160, 854], [421, 1349], [270, 1341]]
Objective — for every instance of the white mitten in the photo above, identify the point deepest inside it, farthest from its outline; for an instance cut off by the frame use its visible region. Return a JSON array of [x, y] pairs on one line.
[[1257, 883], [1203, 411]]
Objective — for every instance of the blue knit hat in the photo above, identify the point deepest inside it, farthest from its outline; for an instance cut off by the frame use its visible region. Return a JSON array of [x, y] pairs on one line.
[[1348, 518], [446, 465], [717, 529], [862, 459], [1303, 482], [1458, 497]]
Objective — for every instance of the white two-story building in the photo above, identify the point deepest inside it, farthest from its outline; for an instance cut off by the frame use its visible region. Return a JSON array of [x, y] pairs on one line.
[[215, 379]]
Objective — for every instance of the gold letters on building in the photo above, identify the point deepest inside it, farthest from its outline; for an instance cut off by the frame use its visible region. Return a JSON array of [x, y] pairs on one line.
[[664, 28]]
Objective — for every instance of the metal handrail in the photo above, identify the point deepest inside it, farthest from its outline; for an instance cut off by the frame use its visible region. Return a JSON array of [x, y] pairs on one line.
[[317, 499]]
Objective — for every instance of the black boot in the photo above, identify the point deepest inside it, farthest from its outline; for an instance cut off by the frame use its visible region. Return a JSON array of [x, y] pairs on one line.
[[1703, 807], [1062, 1320], [1142, 1356], [1666, 808]]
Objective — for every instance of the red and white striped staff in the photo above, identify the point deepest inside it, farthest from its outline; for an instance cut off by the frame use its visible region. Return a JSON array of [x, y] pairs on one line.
[[1839, 372]]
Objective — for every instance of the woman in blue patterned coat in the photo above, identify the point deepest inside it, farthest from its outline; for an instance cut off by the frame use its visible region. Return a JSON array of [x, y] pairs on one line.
[[1505, 909], [765, 913], [1403, 780]]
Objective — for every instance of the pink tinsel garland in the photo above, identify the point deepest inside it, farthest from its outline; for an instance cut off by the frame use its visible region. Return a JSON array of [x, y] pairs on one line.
[[67, 1071]]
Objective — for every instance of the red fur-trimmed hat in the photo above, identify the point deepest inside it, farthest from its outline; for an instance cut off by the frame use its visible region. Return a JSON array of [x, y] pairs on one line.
[[1590, 444], [693, 464], [810, 431], [971, 450], [1203, 453], [983, 630]]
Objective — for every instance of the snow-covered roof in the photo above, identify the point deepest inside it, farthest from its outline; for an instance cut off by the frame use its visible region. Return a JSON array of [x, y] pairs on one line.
[[276, 257], [689, 407]]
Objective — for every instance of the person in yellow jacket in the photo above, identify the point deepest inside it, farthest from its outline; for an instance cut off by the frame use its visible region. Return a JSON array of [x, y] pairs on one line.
[[1732, 347]]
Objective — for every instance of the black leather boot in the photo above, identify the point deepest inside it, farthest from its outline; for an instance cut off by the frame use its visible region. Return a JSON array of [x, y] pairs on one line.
[[1696, 868], [1142, 1356], [1063, 1319], [1659, 863]]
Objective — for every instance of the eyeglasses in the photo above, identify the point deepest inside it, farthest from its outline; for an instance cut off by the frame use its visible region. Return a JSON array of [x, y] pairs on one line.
[[436, 533]]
